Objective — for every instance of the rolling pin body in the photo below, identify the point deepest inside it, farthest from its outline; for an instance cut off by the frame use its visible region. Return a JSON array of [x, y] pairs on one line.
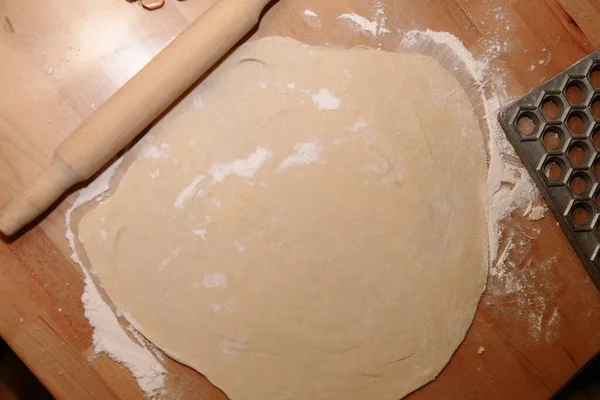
[[143, 98]]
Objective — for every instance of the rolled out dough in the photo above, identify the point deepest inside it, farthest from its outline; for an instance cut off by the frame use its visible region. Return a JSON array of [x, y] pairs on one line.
[[307, 224]]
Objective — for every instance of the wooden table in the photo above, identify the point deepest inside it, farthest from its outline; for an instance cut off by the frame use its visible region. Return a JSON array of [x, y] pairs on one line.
[[59, 60]]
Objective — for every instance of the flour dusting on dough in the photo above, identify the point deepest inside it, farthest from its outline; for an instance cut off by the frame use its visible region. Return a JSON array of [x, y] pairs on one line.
[[509, 186], [216, 280], [151, 151], [200, 233], [197, 99], [189, 191], [306, 153], [359, 126], [514, 282], [326, 100], [108, 336], [230, 347], [240, 247], [245, 168]]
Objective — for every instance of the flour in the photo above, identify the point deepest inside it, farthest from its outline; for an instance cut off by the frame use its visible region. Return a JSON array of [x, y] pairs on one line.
[[200, 233], [509, 186], [513, 286], [216, 281], [375, 27], [108, 336], [240, 247], [218, 172], [152, 152], [366, 25], [552, 324], [326, 100], [245, 168], [312, 18], [537, 213], [359, 126], [189, 191], [306, 153], [416, 39]]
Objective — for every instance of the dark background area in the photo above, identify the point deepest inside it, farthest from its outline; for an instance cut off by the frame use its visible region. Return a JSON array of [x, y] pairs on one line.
[[16, 381], [583, 386]]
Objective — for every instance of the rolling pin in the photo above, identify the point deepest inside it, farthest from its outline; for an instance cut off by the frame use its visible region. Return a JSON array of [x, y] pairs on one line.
[[141, 100]]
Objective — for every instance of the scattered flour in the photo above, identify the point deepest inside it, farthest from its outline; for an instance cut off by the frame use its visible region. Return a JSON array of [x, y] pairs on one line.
[[509, 185], [189, 191], [216, 280], [513, 288], [375, 27], [528, 209], [366, 25], [245, 168], [416, 39], [109, 337], [537, 213], [481, 350], [312, 18], [552, 324], [200, 233], [359, 126], [306, 153], [151, 151], [197, 100], [326, 100]]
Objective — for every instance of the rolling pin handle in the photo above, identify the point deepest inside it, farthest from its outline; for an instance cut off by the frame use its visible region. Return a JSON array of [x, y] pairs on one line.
[[26, 206]]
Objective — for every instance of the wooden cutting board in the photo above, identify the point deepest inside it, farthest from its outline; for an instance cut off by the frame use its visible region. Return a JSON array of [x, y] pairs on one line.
[[538, 324]]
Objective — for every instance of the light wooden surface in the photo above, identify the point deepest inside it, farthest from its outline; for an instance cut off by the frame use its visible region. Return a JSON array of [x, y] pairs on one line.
[[536, 333], [135, 105]]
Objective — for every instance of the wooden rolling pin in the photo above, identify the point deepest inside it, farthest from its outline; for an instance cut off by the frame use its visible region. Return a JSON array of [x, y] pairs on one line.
[[134, 107]]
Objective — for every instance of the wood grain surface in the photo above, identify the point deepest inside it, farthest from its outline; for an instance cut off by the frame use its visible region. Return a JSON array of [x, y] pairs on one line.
[[59, 60]]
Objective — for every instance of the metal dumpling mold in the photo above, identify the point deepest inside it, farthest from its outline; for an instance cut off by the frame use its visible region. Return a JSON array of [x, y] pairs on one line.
[[555, 130]]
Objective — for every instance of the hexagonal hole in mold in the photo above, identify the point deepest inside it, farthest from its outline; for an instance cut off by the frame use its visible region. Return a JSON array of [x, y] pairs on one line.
[[594, 76], [580, 184], [577, 122], [595, 107], [579, 153], [597, 198], [527, 123], [576, 92], [553, 138], [596, 167], [552, 108], [581, 215], [554, 170], [596, 137]]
